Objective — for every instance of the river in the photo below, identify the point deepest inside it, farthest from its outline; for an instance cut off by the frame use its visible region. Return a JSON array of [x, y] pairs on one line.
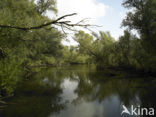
[[79, 91]]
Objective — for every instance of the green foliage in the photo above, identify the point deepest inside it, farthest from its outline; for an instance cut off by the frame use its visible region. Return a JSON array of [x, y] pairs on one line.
[[20, 48], [104, 45], [85, 41], [23, 49], [98, 47], [28, 45], [44, 5], [127, 52], [143, 19], [10, 75], [73, 55]]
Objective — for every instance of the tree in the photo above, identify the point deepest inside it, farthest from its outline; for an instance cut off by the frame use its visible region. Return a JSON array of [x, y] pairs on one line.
[[24, 47], [98, 47], [85, 42], [44, 5], [143, 19], [104, 46]]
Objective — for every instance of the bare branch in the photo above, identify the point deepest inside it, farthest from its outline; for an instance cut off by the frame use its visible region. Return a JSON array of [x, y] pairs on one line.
[[40, 26], [58, 22]]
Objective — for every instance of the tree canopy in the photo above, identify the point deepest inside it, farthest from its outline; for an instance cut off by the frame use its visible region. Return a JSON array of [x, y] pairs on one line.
[[28, 38]]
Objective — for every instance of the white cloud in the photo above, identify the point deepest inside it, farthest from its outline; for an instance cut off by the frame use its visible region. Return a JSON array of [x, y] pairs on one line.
[[85, 9], [91, 9]]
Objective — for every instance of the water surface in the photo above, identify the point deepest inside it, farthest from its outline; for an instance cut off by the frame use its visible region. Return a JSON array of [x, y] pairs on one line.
[[78, 91]]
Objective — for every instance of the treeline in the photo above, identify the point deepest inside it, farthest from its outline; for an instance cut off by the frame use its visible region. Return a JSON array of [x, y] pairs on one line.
[[22, 49], [129, 51]]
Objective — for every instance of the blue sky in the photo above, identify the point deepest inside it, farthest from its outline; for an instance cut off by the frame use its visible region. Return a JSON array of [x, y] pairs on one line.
[[106, 13], [113, 18]]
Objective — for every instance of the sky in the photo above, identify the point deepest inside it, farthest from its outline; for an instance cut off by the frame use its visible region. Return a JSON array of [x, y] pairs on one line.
[[106, 13]]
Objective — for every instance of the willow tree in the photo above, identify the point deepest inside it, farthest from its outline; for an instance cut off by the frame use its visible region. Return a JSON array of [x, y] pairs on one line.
[[142, 18], [28, 37], [98, 46]]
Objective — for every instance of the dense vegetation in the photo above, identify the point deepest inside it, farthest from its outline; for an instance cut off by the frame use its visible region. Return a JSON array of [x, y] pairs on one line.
[[22, 49], [18, 48], [129, 50]]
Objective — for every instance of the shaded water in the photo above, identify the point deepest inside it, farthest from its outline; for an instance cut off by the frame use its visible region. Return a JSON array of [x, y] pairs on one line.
[[78, 91]]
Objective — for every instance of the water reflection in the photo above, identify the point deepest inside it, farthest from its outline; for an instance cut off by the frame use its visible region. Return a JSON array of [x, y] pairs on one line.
[[79, 91]]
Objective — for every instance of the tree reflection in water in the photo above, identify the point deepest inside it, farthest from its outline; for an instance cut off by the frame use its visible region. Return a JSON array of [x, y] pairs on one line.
[[78, 91]]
